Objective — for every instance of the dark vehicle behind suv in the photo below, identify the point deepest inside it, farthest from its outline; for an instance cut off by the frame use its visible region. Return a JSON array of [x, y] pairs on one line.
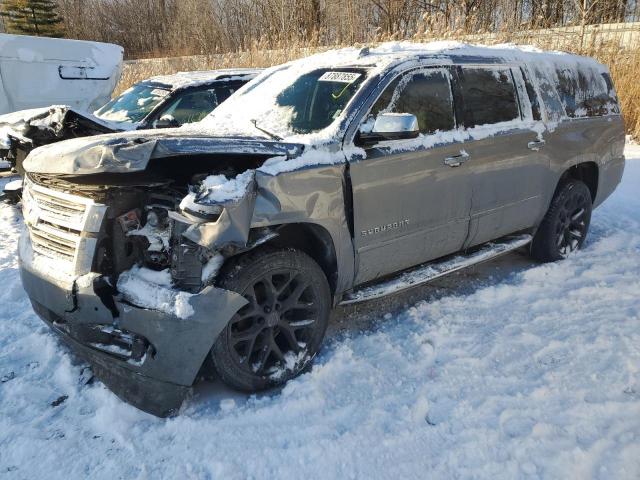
[[334, 179], [159, 102]]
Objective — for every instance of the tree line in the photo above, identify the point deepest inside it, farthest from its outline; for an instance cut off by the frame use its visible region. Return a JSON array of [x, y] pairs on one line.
[[184, 27]]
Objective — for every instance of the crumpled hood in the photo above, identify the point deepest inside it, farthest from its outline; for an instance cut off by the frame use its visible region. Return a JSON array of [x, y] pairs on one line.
[[131, 152], [17, 123], [50, 119]]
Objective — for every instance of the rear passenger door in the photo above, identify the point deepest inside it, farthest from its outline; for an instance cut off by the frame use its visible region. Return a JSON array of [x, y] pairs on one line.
[[409, 206], [506, 163]]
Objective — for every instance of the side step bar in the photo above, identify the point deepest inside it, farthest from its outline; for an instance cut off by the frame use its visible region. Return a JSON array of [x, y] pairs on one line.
[[430, 271]]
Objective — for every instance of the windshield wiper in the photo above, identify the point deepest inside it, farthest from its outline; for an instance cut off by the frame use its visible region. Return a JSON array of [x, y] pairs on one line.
[[272, 135]]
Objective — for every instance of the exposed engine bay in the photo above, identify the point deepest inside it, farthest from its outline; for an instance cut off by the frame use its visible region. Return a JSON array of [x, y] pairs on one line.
[[144, 224]]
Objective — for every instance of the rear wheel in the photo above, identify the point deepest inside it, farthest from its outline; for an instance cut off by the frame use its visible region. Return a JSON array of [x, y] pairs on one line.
[[565, 226], [276, 335]]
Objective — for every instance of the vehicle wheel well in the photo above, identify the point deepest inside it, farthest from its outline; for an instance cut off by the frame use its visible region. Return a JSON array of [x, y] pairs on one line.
[[313, 240], [586, 172]]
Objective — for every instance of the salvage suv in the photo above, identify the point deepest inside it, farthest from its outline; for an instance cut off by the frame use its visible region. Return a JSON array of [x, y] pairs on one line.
[[334, 179]]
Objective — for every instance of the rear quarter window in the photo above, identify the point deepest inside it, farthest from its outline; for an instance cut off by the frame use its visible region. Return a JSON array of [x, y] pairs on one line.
[[585, 92]]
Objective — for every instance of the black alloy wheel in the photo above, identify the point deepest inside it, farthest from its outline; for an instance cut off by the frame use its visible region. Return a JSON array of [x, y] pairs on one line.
[[566, 224], [277, 334]]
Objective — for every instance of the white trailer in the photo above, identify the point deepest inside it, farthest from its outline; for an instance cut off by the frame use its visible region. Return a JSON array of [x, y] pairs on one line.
[[39, 72]]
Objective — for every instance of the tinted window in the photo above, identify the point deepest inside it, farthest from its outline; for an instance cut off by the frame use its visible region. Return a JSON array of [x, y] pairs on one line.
[[425, 94], [584, 92], [533, 97], [553, 106], [192, 107], [489, 96]]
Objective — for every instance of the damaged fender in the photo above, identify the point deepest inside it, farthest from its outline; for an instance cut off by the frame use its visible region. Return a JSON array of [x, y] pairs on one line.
[[232, 226], [272, 200]]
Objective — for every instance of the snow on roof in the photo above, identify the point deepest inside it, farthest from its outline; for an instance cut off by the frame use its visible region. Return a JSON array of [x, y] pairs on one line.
[[393, 52], [203, 77], [258, 99]]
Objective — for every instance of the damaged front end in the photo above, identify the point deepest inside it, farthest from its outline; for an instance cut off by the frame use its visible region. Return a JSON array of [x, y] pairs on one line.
[[21, 132], [122, 265]]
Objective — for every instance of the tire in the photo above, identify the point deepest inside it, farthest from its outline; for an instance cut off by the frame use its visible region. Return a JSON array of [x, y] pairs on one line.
[[276, 336], [565, 225]]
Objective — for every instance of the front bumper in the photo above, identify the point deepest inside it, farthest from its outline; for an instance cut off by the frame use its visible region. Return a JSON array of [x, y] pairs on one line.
[[167, 352]]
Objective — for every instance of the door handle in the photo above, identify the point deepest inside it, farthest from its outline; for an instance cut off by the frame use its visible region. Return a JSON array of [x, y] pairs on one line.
[[456, 160], [537, 145]]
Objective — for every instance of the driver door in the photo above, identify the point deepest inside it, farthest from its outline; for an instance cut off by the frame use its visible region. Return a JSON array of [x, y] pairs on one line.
[[411, 198]]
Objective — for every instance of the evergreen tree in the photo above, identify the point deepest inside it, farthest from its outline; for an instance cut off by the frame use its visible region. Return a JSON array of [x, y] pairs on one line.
[[31, 17]]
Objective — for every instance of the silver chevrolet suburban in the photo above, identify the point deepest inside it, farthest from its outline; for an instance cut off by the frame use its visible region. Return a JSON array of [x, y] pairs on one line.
[[338, 178]]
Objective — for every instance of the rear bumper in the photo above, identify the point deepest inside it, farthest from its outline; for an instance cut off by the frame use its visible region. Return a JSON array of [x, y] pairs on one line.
[[147, 358]]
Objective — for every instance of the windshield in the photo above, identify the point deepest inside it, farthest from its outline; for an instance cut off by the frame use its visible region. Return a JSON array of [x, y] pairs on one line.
[[288, 102], [134, 104]]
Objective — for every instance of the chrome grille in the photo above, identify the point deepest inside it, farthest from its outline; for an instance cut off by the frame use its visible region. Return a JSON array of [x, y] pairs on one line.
[[62, 226]]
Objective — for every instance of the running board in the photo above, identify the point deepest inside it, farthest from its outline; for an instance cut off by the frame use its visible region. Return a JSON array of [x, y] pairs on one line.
[[433, 270]]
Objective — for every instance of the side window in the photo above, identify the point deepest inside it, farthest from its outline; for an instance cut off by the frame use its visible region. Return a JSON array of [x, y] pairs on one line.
[[192, 107], [533, 97], [553, 106], [224, 92], [489, 96], [611, 96], [584, 92], [423, 93]]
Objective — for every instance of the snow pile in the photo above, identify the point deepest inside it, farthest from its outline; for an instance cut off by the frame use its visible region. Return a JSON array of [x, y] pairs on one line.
[[151, 289], [217, 189], [211, 268], [157, 237], [519, 371], [310, 158]]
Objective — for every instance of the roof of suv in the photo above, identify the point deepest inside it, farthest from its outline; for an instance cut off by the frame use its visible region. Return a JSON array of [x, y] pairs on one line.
[[390, 53], [203, 77]]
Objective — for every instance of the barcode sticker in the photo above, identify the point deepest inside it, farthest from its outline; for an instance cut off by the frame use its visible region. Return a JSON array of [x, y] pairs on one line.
[[342, 77]]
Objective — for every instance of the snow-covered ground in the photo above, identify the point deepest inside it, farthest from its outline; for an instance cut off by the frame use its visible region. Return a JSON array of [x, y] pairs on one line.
[[509, 370]]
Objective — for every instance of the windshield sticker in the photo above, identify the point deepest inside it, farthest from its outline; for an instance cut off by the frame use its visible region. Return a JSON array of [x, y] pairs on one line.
[[342, 77]]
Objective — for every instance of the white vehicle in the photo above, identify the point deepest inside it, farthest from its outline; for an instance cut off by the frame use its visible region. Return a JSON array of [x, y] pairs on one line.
[[39, 72]]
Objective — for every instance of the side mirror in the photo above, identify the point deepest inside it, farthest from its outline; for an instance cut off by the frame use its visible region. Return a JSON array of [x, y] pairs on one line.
[[391, 126], [166, 121]]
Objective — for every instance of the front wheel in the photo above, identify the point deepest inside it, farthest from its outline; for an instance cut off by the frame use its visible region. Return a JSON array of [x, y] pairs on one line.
[[564, 228], [277, 334]]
